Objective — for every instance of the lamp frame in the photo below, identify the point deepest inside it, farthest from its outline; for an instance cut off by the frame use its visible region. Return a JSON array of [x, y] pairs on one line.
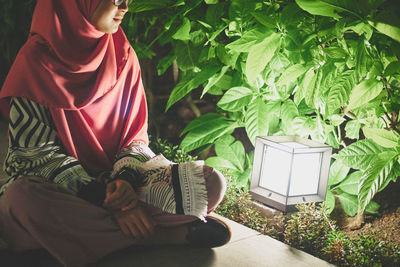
[[276, 200]]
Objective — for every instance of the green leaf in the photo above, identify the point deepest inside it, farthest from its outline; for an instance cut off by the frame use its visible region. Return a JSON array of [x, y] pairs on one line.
[[373, 208], [220, 163], [349, 202], [392, 68], [291, 74], [329, 202], [352, 129], [190, 82], [329, 8], [375, 176], [164, 63], [304, 85], [358, 155], [338, 94], [145, 5], [214, 80], [350, 184], [256, 119], [234, 153], [382, 137], [337, 172], [248, 40], [268, 21], [211, 2], [183, 33], [336, 120], [288, 113], [243, 178], [205, 130], [387, 26], [236, 99], [363, 61], [335, 52], [260, 55], [187, 55], [364, 92]]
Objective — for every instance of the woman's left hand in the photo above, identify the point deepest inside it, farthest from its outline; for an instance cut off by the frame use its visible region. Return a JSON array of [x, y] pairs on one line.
[[120, 196]]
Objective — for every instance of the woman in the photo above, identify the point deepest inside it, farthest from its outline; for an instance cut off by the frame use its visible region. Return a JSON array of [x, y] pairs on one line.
[[83, 182]]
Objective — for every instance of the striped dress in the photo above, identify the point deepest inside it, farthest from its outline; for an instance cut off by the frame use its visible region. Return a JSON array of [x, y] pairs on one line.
[[36, 150]]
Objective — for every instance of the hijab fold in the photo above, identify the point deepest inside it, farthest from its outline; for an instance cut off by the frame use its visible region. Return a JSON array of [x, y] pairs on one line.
[[90, 81]]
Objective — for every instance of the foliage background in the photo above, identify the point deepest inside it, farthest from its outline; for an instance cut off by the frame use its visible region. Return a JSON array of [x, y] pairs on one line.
[[324, 69]]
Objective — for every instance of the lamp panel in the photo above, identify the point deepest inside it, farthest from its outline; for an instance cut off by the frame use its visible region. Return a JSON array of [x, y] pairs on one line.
[[305, 174], [275, 170]]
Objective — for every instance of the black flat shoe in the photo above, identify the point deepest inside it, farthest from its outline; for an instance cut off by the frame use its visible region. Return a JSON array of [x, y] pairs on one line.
[[210, 234]]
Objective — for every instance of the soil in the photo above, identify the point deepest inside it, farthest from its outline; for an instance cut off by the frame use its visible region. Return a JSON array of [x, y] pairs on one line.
[[387, 224]]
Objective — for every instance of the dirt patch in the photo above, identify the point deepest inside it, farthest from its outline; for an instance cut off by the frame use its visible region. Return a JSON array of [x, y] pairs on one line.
[[387, 225]]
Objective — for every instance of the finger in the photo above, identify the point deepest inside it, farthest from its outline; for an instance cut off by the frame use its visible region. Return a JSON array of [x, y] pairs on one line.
[[124, 228], [147, 221], [120, 202], [141, 227], [133, 230], [132, 204], [120, 190], [109, 189]]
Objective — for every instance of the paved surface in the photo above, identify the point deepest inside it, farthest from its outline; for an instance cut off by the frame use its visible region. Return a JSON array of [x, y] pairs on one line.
[[247, 248]]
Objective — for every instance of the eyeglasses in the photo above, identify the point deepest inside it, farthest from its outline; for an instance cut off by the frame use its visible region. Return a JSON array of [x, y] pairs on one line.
[[120, 2]]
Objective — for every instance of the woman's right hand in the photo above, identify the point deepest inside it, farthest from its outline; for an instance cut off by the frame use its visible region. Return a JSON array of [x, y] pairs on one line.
[[135, 222]]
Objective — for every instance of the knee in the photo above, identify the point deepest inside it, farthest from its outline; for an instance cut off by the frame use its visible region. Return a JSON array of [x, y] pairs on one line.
[[21, 196], [216, 186]]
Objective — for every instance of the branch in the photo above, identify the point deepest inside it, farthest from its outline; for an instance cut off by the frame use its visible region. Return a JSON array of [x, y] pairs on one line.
[[393, 124]]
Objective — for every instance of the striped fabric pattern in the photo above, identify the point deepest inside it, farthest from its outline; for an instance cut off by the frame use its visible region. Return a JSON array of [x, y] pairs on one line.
[[35, 149]]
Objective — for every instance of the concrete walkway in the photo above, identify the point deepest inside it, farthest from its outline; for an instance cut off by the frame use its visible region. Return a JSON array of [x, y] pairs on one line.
[[247, 248]]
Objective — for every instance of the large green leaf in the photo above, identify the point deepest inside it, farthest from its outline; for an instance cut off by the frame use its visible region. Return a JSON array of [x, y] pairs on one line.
[[352, 129], [337, 172], [205, 130], [257, 119], [183, 32], [387, 24], [190, 82], [291, 74], [248, 40], [329, 8], [358, 155], [289, 112], [236, 99], [364, 92], [349, 202], [329, 202], [375, 176], [350, 184], [385, 138], [233, 152], [338, 94], [260, 55], [214, 80], [220, 163], [145, 5]]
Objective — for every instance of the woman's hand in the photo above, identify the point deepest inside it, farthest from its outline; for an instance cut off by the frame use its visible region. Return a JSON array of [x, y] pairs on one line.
[[135, 222], [120, 196]]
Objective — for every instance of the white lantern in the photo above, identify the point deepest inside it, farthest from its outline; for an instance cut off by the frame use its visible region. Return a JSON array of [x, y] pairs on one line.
[[289, 170]]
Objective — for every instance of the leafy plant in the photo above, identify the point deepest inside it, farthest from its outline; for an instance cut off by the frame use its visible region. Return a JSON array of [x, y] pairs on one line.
[[171, 152], [324, 69]]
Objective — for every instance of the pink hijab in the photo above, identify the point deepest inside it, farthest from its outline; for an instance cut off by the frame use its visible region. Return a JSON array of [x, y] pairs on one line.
[[89, 80]]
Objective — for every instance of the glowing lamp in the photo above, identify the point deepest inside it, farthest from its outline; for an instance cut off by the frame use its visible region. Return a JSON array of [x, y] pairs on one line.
[[289, 170]]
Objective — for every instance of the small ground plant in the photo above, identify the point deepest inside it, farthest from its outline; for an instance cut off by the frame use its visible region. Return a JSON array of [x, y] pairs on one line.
[[311, 230]]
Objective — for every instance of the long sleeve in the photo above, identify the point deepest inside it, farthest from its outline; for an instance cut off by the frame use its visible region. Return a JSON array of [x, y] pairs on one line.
[[35, 149], [129, 160]]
